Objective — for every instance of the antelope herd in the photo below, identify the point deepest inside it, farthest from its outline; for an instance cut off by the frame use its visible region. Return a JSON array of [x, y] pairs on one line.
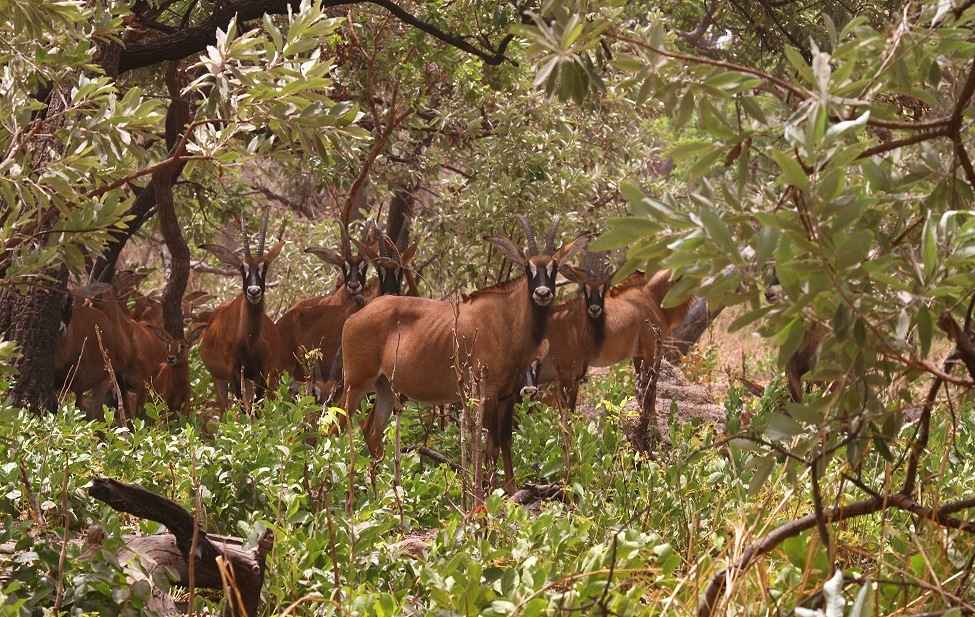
[[377, 338]]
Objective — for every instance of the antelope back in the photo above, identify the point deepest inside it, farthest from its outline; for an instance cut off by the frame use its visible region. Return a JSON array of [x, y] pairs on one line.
[[78, 349], [658, 287]]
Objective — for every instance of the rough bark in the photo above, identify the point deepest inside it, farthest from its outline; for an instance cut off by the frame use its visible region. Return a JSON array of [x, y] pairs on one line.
[[31, 317], [177, 118]]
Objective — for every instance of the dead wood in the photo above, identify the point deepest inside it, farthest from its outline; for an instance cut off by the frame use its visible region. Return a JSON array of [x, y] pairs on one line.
[[434, 456], [219, 561], [530, 493]]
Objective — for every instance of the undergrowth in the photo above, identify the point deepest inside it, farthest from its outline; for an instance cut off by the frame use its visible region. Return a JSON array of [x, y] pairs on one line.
[[634, 535]]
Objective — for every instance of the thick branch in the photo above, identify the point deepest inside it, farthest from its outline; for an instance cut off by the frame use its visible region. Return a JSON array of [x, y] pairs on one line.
[[246, 568], [194, 39]]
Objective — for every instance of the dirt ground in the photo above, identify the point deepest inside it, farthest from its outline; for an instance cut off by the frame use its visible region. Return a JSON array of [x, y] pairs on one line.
[[699, 385]]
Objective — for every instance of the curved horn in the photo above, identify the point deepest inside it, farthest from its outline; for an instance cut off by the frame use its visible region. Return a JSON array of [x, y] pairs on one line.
[[403, 238], [243, 237], [532, 245], [595, 264], [260, 238], [550, 241], [381, 240]]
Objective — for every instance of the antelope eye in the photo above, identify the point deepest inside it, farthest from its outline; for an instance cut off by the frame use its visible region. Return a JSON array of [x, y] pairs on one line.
[[533, 269], [550, 268]]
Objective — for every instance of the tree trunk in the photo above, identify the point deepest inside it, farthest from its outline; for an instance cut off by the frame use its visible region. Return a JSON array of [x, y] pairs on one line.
[[177, 117], [31, 317]]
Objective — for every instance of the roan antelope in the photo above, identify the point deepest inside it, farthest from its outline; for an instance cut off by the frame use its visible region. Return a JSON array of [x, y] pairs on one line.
[[804, 359], [605, 326], [240, 343], [78, 361], [138, 351], [171, 380], [316, 323], [440, 352]]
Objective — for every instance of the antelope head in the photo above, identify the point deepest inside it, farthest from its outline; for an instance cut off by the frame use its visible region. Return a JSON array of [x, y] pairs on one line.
[[353, 267], [540, 269], [593, 283], [392, 260], [176, 348], [774, 293], [253, 270]]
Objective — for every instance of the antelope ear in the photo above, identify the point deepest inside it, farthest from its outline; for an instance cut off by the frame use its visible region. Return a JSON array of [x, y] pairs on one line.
[[408, 254], [565, 253], [369, 251], [511, 252], [326, 255], [159, 332], [196, 297], [223, 254], [573, 274], [195, 333], [270, 255]]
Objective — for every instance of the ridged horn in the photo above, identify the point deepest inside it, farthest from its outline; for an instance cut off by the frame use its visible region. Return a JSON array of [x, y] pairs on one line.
[[595, 264], [550, 241], [403, 239], [532, 245], [380, 238], [243, 237]]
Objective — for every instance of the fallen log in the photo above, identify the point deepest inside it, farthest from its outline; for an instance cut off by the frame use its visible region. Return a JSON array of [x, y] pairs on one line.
[[218, 561]]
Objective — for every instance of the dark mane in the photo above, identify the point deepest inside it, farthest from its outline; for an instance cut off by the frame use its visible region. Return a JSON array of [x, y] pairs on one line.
[[634, 280], [500, 288]]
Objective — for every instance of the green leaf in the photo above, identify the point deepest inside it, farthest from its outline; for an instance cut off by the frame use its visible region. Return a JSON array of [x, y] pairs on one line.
[[925, 330], [781, 427], [792, 171], [718, 231], [833, 592], [689, 149], [762, 471], [623, 232], [929, 247], [838, 129], [863, 605], [854, 250]]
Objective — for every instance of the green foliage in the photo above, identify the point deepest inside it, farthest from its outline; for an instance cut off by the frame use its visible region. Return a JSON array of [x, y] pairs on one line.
[[633, 533], [871, 242]]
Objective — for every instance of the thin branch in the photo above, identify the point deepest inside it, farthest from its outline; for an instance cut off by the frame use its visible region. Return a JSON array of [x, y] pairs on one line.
[[801, 93]]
